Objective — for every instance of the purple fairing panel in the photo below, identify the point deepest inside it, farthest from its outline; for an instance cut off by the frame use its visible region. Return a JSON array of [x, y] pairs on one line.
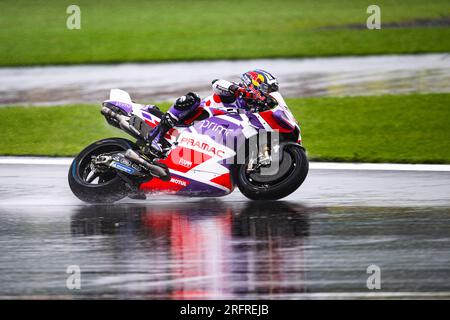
[[128, 108], [147, 116], [283, 120], [238, 103], [255, 121], [219, 129], [199, 189], [226, 132]]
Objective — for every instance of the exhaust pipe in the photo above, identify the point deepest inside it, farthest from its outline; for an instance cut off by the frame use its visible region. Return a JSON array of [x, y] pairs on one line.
[[155, 170], [122, 120]]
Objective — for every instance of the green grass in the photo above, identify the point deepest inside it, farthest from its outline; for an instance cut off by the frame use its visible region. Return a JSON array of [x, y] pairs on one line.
[[391, 128], [34, 32], [402, 128]]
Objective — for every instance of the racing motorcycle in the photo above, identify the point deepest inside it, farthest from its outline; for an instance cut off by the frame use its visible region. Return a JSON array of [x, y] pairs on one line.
[[259, 151]]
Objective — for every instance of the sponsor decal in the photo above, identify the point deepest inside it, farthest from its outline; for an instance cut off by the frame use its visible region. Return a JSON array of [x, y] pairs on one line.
[[215, 127], [178, 181], [184, 159], [185, 163], [203, 146], [173, 185], [122, 167]]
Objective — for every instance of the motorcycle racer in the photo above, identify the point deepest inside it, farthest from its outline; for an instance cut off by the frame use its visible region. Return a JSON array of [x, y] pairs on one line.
[[251, 94], [208, 157]]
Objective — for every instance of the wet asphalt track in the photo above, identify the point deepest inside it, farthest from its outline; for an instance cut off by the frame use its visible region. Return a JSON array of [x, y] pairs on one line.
[[316, 243]]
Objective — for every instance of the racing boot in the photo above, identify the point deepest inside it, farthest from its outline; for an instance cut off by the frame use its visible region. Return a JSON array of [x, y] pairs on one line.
[[176, 113], [157, 134]]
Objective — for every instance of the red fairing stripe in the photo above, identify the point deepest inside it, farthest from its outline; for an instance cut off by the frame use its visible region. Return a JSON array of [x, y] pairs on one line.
[[155, 185], [197, 114], [151, 124], [272, 122], [217, 112], [224, 180]]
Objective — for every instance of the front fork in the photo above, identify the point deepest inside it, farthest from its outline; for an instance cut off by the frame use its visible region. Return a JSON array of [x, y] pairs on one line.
[[259, 158]]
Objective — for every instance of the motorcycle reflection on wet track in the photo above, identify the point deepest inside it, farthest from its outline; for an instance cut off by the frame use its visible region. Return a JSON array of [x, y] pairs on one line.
[[208, 249]]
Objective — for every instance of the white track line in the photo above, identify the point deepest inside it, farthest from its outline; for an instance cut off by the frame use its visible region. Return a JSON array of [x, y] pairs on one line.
[[36, 160], [378, 166], [312, 165], [365, 295]]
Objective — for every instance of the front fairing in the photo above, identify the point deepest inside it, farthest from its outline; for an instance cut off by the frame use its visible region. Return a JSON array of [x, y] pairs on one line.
[[282, 105]]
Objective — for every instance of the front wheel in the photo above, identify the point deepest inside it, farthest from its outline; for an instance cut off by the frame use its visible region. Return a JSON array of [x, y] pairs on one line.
[[98, 187], [291, 173]]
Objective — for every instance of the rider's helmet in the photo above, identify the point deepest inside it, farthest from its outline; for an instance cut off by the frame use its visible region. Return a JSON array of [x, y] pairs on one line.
[[261, 80]]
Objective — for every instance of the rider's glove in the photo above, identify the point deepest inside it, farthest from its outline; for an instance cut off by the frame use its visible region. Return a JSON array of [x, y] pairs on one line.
[[244, 93], [255, 101], [264, 105], [234, 89], [271, 102], [195, 96]]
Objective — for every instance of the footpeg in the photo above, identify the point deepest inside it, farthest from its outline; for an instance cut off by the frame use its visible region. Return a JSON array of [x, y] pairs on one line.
[[154, 170]]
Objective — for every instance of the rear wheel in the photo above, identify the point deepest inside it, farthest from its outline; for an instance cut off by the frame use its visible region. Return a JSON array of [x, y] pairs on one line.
[[92, 186], [291, 173]]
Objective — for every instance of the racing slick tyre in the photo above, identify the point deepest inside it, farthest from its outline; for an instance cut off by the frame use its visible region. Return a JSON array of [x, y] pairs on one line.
[[291, 173], [92, 187]]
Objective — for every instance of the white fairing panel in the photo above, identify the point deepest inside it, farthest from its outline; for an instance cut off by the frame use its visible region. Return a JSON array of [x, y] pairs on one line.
[[283, 105], [207, 170], [277, 96], [120, 95], [124, 97]]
